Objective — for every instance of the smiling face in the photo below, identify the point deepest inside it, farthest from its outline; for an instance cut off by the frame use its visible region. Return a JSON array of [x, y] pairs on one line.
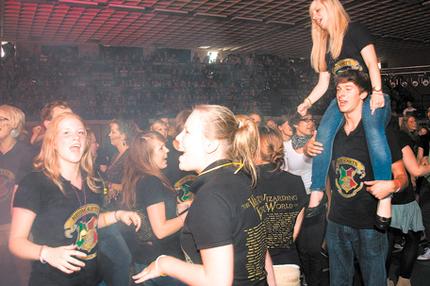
[[349, 97], [319, 14], [191, 142], [159, 153], [305, 126], [70, 141]]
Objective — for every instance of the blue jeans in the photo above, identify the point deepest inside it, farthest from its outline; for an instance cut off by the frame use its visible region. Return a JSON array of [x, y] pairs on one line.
[[374, 128], [115, 257], [370, 248], [159, 281]]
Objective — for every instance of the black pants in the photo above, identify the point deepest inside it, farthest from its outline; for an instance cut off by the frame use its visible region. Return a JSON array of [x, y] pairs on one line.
[[309, 244], [409, 253], [425, 208]]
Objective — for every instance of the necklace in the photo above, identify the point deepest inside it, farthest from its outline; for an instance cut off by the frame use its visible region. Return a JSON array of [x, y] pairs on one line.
[[238, 164], [76, 191]]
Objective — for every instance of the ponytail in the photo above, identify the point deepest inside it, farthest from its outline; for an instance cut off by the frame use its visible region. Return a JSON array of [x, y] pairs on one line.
[[271, 146], [240, 135], [246, 145]]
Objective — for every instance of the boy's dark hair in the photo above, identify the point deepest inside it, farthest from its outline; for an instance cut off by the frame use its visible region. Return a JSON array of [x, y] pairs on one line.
[[359, 78], [46, 112]]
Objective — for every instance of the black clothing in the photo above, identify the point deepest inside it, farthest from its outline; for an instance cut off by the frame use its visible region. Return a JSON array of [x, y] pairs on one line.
[[283, 196], [424, 143], [113, 175], [226, 212], [13, 166], [150, 191], [407, 195], [356, 38], [351, 204], [115, 170], [61, 219]]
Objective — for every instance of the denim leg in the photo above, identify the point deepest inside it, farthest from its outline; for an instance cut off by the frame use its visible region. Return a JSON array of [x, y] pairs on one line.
[[113, 247], [372, 250], [374, 128], [339, 240], [330, 124]]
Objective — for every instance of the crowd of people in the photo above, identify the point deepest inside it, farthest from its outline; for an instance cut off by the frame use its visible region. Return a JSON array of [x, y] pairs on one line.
[[132, 85], [218, 195]]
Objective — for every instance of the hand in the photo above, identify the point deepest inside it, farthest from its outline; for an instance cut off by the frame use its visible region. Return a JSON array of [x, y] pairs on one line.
[[36, 130], [424, 161], [152, 271], [303, 107], [376, 101], [63, 258], [129, 218], [182, 207], [380, 189], [313, 148]]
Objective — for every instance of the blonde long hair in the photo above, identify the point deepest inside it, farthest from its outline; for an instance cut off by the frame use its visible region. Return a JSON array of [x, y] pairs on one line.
[[332, 38], [239, 133], [47, 159], [16, 117]]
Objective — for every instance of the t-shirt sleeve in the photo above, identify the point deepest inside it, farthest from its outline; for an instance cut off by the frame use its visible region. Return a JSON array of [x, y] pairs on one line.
[[149, 191], [404, 140], [28, 194], [26, 165], [210, 221], [360, 35], [395, 145]]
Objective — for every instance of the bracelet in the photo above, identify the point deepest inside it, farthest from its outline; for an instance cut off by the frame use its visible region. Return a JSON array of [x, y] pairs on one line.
[[309, 101], [41, 259], [156, 265], [376, 89], [116, 218], [398, 185]]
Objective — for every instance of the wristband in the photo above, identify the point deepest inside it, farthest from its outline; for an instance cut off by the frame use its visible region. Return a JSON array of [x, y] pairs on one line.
[[309, 101], [41, 259], [376, 89], [398, 185], [157, 269]]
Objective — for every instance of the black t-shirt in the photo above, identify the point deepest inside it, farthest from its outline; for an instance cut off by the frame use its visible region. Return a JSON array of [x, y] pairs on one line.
[[115, 171], [356, 38], [114, 175], [150, 191], [226, 212], [13, 166], [351, 204], [61, 219], [406, 195], [283, 196], [424, 143]]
